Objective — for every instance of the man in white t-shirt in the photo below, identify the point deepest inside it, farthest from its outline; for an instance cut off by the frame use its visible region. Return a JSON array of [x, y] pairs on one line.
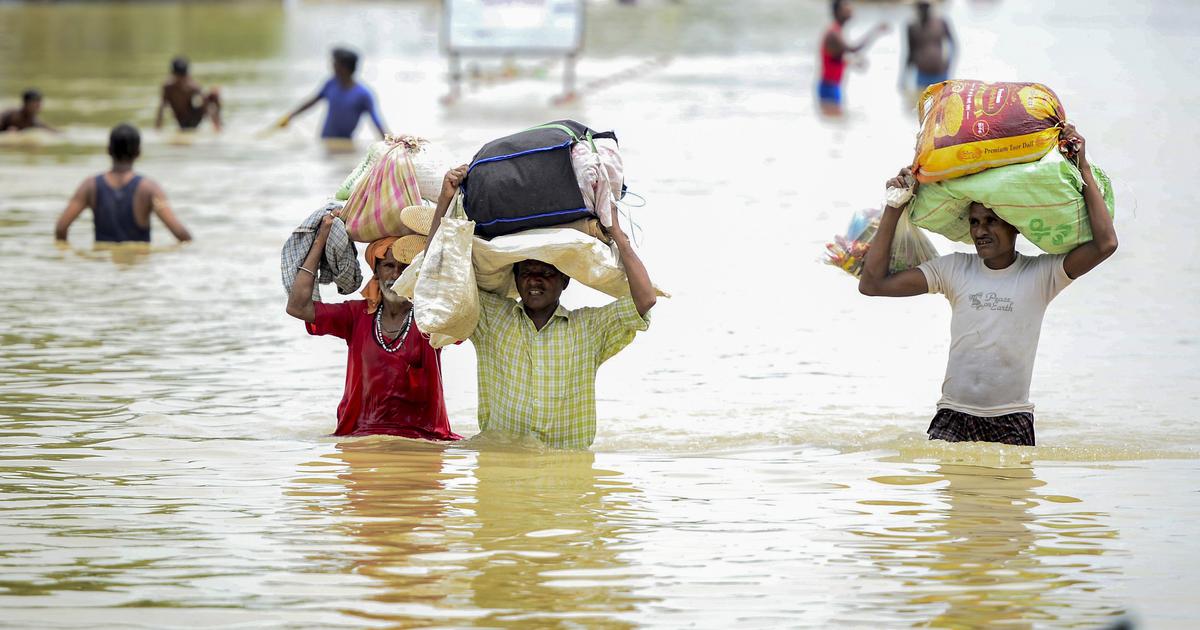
[[998, 299]]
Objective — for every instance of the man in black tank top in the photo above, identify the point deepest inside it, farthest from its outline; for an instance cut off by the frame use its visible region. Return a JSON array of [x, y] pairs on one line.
[[121, 201]]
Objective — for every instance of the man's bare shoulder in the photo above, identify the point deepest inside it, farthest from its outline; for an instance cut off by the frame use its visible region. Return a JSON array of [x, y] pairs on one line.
[[176, 88], [86, 190], [148, 188], [10, 118]]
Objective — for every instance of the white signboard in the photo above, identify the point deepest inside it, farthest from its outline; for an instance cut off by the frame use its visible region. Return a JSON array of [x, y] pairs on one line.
[[522, 26]]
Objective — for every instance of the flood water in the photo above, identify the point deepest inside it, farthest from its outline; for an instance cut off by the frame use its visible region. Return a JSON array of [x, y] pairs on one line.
[[761, 458]]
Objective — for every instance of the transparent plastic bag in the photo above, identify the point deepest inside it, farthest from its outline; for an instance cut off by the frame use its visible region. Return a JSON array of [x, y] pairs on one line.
[[848, 252], [910, 246]]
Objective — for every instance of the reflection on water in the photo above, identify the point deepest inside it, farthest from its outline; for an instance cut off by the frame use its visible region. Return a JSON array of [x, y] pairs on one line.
[[980, 546], [496, 538], [550, 534]]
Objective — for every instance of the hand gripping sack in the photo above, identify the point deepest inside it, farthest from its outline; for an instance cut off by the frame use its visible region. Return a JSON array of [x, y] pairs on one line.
[[446, 298], [1042, 199], [971, 126], [527, 180]]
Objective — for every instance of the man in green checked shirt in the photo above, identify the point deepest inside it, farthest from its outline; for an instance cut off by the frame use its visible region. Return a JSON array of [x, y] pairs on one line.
[[538, 360]]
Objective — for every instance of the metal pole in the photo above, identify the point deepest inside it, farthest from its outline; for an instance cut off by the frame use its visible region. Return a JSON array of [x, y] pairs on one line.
[[455, 79], [569, 78]]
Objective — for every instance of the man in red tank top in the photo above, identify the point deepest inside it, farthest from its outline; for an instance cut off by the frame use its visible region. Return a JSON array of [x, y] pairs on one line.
[[833, 57]]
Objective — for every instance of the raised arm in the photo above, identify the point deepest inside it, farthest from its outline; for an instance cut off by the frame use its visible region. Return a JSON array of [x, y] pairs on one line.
[[1084, 258], [78, 203], [639, 279], [870, 37], [876, 279], [162, 103], [287, 118], [450, 184], [160, 207], [300, 304]]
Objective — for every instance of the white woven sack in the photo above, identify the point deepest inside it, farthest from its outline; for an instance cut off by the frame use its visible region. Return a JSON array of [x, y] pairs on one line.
[[430, 165], [585, 259], [445, 297]]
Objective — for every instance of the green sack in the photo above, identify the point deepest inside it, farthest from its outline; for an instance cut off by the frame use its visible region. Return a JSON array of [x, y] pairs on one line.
[[1043, 199]]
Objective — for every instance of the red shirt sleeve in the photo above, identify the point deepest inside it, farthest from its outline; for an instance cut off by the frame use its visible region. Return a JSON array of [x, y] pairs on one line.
[[334, 319]]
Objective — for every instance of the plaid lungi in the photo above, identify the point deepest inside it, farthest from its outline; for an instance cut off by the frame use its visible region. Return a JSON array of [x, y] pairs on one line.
[[956, 426]]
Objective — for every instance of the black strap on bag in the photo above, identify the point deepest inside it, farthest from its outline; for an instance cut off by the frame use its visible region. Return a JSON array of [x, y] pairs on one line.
[[526, 180]]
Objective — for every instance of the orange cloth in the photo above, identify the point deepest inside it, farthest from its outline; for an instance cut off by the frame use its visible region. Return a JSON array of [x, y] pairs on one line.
[[376, 250]]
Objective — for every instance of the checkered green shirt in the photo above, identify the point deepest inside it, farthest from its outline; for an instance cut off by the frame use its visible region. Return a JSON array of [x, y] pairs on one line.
[[543, 382]]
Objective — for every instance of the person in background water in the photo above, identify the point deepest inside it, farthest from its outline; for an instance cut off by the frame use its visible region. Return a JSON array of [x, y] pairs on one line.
[[998, 298], [931, 48], [833, 57], [538, 360], [188, 101], [25, 117], [347, 99], [121, 201], [393, 376]]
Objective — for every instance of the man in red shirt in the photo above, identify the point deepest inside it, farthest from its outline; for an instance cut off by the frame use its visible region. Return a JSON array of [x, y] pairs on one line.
[[834, 49], [393, 375]]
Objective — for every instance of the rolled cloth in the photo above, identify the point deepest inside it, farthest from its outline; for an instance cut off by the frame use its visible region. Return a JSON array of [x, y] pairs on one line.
[[376, 250]]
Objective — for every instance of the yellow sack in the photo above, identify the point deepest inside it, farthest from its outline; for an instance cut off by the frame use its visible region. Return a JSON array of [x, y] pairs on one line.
[[971, 126]]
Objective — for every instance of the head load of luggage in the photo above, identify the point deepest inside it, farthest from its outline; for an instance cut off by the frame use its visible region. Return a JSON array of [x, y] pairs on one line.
[[547, 193], [997, 144]]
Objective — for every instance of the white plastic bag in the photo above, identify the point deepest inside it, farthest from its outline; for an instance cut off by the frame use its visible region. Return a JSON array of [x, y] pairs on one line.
[[910, 246]]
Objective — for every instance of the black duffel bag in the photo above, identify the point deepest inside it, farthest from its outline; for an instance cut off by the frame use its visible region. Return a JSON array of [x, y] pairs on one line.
[[526, 180]]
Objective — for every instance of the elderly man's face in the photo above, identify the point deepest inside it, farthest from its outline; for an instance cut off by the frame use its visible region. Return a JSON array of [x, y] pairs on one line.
[[540, 285], [387, 269]]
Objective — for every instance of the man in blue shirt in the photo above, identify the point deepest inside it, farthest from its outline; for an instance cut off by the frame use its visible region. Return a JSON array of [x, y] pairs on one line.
[[347, 99]]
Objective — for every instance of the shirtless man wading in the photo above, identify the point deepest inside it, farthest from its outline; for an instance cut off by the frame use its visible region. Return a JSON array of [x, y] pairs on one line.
[[187, 100], [926, 51]]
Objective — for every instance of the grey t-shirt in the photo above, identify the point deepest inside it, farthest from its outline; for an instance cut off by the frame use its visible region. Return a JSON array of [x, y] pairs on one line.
[[994, 329]]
